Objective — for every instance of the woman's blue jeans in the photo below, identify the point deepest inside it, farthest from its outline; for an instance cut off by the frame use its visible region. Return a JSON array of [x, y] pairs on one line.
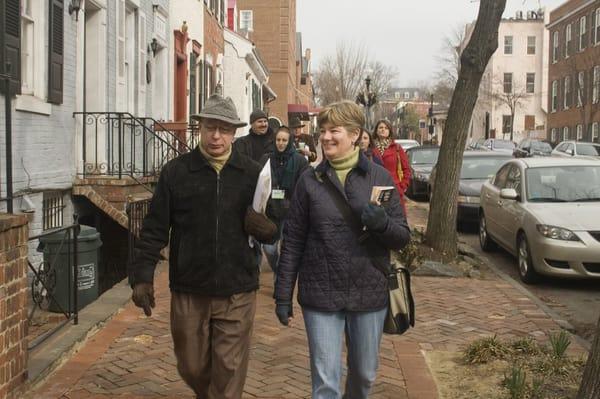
[[363, 335]]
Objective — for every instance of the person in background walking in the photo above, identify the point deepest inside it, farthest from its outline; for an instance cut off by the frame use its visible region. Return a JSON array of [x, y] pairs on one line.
[[201, 209], [286, 166], [393, 156], [304, 142], [259, 140], [339, 289], [366, 146]]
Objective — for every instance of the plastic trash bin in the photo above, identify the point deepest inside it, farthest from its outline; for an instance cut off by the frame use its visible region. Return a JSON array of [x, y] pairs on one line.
[[57, 256]]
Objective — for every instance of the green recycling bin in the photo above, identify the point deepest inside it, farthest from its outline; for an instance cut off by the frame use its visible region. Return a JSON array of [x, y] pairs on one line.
[[57, 257]]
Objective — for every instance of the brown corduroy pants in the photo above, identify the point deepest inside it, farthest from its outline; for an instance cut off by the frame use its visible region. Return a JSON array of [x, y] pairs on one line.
[[211, 336]]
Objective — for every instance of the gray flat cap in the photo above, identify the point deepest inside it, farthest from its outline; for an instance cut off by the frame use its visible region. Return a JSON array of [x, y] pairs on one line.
[[223, 109]]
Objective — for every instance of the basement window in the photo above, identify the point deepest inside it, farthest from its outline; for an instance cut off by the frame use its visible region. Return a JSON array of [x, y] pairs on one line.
[[52, 210]]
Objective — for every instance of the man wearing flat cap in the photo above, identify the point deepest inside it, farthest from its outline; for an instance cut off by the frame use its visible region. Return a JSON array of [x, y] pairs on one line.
[[259, 140], [305, 143], [201, 208]]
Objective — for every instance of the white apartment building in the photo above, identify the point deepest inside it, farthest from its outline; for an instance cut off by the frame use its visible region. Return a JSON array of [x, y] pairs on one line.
[[246, 75], [516, 77]]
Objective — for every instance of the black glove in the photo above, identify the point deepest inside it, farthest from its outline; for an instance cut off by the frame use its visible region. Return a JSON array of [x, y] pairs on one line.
[[259, 226], [284, 311], [143, 297], [374, 217]]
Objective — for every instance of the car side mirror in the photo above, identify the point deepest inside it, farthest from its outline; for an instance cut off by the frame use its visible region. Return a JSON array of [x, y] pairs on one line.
[[509, 194], [570, 152]]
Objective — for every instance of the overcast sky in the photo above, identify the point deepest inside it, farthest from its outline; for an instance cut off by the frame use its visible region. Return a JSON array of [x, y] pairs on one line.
[[405, 34]]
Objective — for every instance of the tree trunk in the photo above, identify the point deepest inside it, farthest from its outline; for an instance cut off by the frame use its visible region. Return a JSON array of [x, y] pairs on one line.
[[590, 384], [441, 226], [512, 125]]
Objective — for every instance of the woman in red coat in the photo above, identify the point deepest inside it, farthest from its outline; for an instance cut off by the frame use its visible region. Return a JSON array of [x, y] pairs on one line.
[[393, 156]]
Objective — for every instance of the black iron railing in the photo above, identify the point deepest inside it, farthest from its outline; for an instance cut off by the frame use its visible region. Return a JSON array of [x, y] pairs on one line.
[[136, 211], [58, 263], [119, 144]]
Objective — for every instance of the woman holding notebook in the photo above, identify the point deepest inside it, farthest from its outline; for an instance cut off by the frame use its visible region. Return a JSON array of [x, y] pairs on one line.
[[339, 289], [393, 156]]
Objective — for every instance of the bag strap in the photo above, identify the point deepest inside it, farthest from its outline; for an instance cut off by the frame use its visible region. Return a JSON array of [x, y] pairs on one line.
[[363, 237]]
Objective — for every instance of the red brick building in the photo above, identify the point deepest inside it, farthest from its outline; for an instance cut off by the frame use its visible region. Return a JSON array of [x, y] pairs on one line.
[[574, 72], [271, 25]]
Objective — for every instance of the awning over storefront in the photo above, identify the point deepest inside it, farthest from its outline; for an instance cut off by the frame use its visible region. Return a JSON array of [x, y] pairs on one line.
[[268, 93], [299, 110]]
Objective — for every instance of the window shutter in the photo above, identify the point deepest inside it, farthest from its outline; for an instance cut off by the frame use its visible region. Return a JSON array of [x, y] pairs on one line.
[[56, 52], [142, 43], [200, 85], [192, 83], [10, 44], [593, 28]]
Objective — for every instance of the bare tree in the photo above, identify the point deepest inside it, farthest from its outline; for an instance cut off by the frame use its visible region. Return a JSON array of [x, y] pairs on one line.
[[512, 97], [449, 65], [590, 384], [441, 226], [341, 76]]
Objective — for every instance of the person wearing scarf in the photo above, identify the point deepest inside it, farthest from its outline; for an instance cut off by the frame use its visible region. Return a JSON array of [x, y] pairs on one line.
[[393, 156], [286, 166]]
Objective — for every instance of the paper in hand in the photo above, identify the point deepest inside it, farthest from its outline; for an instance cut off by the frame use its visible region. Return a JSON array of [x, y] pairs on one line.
[[381, 194], [262, 193]]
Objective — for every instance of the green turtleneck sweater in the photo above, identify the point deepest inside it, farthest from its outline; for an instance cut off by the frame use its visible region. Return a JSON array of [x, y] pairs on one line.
[[344, 164]]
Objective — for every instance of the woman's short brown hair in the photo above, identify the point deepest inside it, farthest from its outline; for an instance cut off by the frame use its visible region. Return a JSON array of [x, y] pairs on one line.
[[342, 113]]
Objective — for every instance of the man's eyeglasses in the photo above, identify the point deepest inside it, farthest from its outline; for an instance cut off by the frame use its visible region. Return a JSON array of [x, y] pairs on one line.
[[223, 129]]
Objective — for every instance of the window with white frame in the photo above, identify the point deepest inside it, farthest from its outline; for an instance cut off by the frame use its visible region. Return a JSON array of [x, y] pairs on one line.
[[565, 133], [595, 132], [530, 83], [554, 96], [567, 92], [580, 88], [530, 45], [554, 135], [596, 85], [555, 47], [247, 20], [582, 30], [28, 41], [579, 132], [508, 44], [406, 95], [508, 82], [567, 40]]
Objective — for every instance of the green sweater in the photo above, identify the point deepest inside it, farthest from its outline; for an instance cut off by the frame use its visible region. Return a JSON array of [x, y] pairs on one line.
[[344, 164]]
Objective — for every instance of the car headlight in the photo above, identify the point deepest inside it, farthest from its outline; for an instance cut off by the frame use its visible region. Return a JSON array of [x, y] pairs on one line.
[[557, 233], [468, 199]]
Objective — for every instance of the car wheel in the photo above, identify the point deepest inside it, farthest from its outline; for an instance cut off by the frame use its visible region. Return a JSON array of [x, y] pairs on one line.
[[485, 241], [526, 270]]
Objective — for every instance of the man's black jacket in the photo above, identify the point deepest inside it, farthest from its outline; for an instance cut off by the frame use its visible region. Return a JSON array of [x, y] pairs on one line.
[[255, 145], [201, 215]]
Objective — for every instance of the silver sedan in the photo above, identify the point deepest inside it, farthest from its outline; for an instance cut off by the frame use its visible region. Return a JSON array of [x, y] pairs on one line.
[[546, 212]]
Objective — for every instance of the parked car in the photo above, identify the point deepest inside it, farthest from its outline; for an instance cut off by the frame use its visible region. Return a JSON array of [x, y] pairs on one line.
[[421, 161], [532, 148], [499, 145], [477, 168], [476, 145], [406, 144], [578, 149], [542, 210]]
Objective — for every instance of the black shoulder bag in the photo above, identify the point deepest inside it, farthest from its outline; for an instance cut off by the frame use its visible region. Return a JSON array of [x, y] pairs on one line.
[[401, 306]]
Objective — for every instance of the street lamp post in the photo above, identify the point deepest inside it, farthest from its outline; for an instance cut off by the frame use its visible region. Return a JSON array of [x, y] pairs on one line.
[[431, 118], [367, 99]]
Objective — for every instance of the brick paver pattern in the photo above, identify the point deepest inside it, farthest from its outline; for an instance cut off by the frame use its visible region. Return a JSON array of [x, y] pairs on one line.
[[138, 360]]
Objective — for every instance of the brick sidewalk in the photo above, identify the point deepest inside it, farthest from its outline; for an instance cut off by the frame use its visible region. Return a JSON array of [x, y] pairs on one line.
[[132, 356]]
